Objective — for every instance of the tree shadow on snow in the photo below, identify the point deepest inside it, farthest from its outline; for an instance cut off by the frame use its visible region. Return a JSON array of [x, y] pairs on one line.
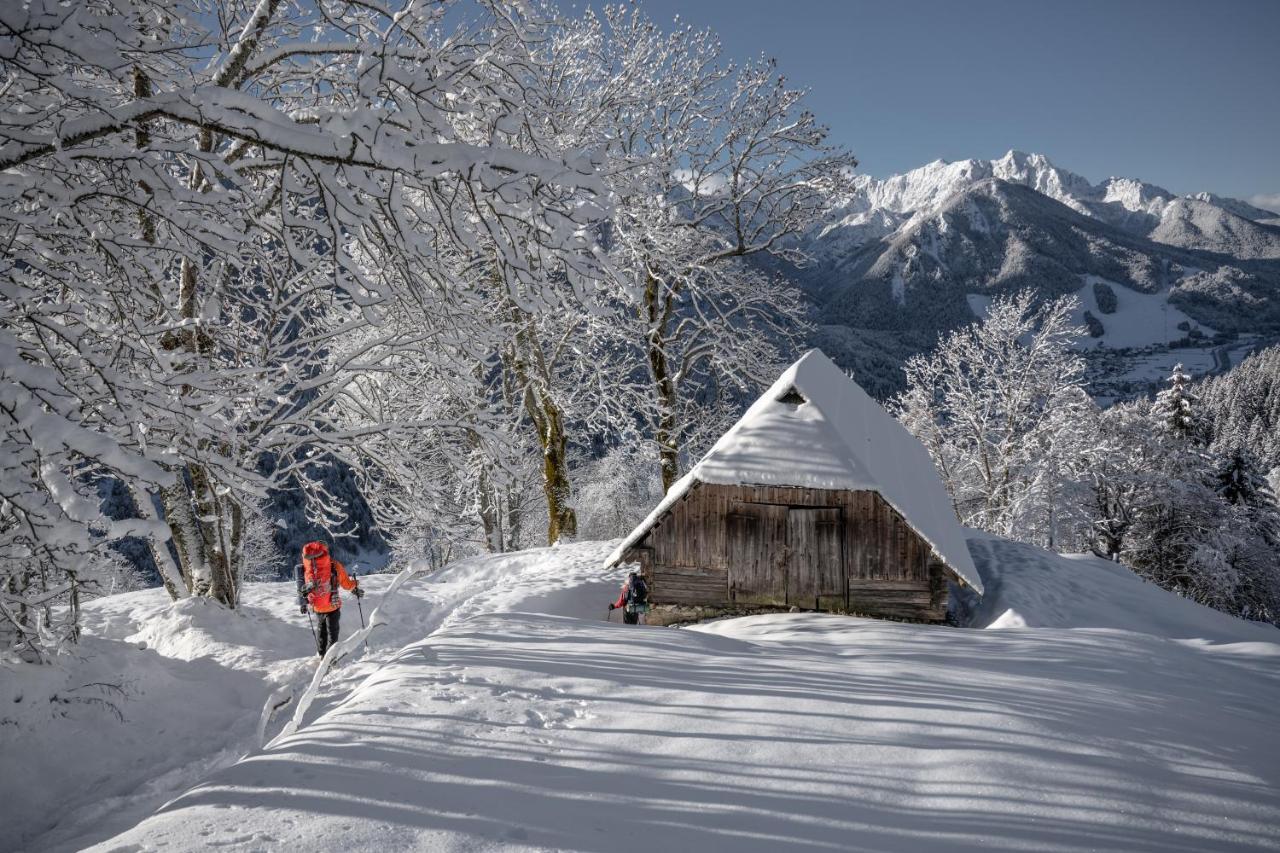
[[939, 738]]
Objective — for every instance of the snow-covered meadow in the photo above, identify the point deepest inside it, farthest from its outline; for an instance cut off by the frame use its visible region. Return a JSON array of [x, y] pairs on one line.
[[496, 709]]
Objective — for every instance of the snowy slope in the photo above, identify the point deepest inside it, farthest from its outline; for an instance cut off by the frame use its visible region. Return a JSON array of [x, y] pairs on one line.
[[1197, 224], [1136, 320], [1028, 587], [187, 683], [528, 723]]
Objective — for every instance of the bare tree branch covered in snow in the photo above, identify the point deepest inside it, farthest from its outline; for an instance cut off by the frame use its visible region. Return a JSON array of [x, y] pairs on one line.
[[203, 203], [710, 164], [1001, 407]]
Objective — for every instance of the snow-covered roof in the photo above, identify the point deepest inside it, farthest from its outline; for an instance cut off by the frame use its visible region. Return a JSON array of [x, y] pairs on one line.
[[832, 436]]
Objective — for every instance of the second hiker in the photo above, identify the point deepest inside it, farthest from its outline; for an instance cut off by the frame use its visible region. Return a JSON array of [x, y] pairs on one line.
[[634, 599], [318, 588]]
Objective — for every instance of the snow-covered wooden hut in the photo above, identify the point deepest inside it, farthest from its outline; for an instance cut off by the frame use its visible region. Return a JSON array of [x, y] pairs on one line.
[[818, 499]]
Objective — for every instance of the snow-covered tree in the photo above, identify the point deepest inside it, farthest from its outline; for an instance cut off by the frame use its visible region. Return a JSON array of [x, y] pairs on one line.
[[709, 164], [1118, 476], [618, 490], [1244, 406], [1240, 479], [1195, 521], [1178, 410], [202, 203], [1001, 407], [569, 362], [1025, 454]]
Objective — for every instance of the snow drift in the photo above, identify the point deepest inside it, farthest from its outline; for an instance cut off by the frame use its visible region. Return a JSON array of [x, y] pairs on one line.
[[521, 720]]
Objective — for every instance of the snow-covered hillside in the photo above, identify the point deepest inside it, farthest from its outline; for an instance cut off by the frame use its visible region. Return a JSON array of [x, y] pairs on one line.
[[902, 254], [161, 694], [1095, 711]]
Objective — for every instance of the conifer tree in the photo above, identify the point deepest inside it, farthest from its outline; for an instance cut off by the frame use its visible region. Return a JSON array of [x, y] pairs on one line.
[[1240, 479], [1178, 410]]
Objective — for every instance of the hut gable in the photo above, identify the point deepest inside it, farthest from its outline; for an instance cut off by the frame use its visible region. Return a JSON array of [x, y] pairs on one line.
[[815, 428]]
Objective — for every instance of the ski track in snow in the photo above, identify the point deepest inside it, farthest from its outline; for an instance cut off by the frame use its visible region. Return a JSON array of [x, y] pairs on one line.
[[1098, 712]]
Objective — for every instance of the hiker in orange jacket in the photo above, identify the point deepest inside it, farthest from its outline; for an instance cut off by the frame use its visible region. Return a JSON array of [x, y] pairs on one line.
[[318, 587]]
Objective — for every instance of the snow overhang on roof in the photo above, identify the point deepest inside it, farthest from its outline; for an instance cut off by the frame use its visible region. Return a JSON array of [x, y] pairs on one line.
[[816, 428]]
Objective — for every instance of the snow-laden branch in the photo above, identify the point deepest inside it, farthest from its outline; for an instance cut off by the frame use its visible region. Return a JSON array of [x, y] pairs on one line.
[[367, 140]]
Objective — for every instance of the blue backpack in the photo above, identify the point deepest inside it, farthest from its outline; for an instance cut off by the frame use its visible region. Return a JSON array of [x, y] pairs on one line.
[[637, 596]]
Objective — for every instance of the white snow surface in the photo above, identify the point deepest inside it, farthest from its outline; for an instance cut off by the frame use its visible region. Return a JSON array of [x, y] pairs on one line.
[[190, 681], [840, 438], [1028, 587], [1140, 319], [522, 721]]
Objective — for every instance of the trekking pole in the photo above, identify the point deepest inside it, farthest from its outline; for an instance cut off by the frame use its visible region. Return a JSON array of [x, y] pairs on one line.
[[298, 578], [360, 609]]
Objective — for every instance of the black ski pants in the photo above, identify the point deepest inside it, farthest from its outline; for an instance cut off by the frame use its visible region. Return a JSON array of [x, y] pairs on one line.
[[630, 618], [327, 630]]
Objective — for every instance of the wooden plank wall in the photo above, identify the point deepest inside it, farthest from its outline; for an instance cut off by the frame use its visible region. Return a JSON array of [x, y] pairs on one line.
[[888, 566]]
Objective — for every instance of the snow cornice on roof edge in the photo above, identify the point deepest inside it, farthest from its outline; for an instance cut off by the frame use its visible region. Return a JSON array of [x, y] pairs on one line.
[[838, 439]]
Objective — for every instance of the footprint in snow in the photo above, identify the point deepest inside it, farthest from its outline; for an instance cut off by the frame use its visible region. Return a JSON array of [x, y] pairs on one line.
[[564, 717], [578, 712], [451, 696], [536, 718]]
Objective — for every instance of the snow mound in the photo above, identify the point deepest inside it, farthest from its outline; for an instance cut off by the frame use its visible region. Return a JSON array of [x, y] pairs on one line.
[[520, 731], [161, 694], [1028, 587]]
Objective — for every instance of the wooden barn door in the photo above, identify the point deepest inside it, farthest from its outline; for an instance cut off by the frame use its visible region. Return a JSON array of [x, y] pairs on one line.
[[756, 540], [815, 570]]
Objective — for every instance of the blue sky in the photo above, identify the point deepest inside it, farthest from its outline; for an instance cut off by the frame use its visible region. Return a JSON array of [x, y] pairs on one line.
[[1178, 93]]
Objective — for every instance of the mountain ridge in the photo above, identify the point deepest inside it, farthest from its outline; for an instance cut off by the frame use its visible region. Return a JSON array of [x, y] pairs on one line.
[[908, 254], [1132, 204]]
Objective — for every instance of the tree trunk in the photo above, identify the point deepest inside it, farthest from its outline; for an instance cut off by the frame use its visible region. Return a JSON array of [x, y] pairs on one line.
[[184, 531], [211, 526], [525, 360], [562, 520], [235, 512], [515, 518], [666, 428], [213, 523], [141, 141], [170, 573], [668, 446], [488, 509]]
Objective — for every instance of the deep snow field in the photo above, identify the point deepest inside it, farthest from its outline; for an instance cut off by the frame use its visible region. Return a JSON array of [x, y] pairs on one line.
[[495, 709]]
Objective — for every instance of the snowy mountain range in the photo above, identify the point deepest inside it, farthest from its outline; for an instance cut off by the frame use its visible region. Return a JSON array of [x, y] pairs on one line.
[[882, 208], [905, 258]]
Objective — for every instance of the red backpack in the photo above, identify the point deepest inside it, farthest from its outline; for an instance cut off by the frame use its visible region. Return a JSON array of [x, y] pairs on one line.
[[317, 569]]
